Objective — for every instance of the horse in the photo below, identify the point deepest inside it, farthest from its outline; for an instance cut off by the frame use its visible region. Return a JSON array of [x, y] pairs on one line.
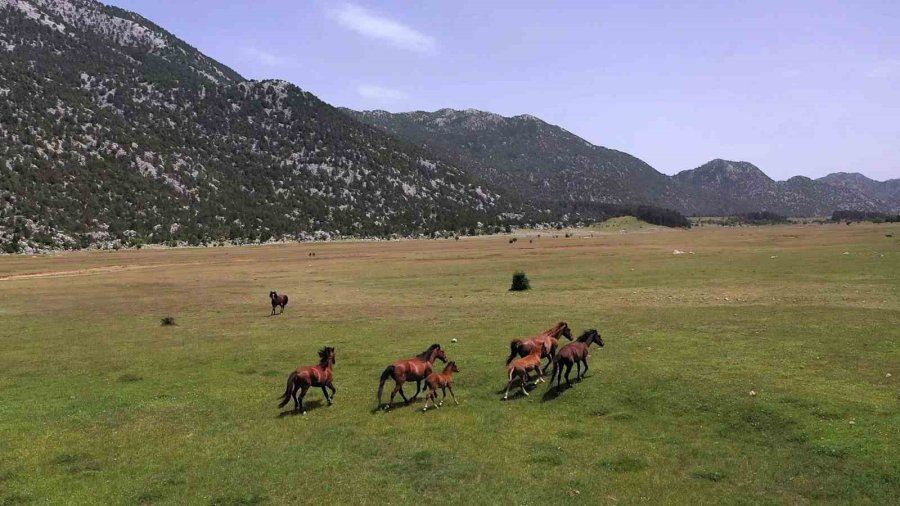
[[411, 369], [522, 366], [575, 353], [278, 300], [304, 377], [444, 381], [522, 347]]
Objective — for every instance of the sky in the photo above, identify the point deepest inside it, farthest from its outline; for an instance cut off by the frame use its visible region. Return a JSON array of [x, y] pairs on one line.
[[796, 87]]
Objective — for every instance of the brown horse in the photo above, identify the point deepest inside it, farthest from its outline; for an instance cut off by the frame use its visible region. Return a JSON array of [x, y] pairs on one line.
[[575, 353], [310, 376], [523, 347], [522, 366], [411, 369], [278, 300], [444, 381]]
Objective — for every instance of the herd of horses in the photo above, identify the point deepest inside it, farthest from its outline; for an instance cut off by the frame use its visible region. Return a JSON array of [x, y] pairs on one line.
[[526, 357]]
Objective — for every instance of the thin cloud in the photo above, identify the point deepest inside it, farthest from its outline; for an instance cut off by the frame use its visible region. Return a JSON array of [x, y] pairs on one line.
[[380, 93], [264, 57], [364, 22]]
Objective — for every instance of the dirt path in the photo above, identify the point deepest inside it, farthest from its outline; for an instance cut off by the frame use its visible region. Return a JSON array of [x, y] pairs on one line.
[[88, 272]]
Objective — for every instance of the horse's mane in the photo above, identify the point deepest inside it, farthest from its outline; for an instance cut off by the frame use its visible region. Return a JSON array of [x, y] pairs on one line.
[[427, 353], [583, 338], [323, 355]]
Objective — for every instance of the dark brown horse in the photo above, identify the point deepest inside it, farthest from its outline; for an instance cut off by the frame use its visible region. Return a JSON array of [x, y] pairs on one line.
[[520, 368], [411, 369], [310, 376], [278, 300], [444, 381], [522, 347], [575, 354]]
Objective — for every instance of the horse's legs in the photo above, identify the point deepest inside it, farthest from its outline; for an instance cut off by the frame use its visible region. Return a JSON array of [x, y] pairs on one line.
[[325, 393], [418, 389], [398, 387], [550, 355], [568, 371], [333, 391], [508, 384], [584, 361], [443, 391], [305, 388], [540, 374], [450, 387], [524, 390]]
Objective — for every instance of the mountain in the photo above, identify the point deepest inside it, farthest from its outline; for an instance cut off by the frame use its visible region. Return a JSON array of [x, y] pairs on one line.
[[545, 163], [113, 130], [888, 191], [722, 187], [534, 159]]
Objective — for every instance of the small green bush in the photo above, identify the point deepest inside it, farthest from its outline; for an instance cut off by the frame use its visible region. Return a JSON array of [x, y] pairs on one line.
[[167, 321], [520, 282]]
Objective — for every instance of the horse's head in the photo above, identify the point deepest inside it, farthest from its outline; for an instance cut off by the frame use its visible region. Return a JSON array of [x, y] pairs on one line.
[[439, 354], [272, 294], [591, 336], [451, 366], [598, 339], [565, 330], [326, 355]]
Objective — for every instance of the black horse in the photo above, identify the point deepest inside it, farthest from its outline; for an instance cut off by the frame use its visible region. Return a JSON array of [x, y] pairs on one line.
[[278, 300]]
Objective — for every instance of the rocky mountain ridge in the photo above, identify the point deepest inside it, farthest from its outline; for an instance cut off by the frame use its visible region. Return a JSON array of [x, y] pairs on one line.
[[542, 161]]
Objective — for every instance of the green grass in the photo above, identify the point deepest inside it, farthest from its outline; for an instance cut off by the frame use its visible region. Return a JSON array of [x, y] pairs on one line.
[[99, 403]]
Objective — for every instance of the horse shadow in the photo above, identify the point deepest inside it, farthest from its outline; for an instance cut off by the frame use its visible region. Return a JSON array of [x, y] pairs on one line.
[[309, 405], [554, 392], [557, 390], [396, 406], [516, 391]]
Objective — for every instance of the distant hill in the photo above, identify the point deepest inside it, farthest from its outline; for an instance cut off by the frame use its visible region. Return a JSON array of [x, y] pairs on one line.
[[888, 191], [532, 158], [543, 162], [722, 187]]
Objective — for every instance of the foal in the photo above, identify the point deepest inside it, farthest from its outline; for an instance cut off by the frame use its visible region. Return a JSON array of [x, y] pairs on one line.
[[522, 347], [311, 375], [412, 369], [575, 353], [278, 300], [444, 381], [521, 367]]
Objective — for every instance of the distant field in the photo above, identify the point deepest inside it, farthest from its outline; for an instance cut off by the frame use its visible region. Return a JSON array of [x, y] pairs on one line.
[[100, 404]]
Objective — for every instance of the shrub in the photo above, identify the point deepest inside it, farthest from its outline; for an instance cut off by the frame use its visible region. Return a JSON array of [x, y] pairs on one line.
[[520, 282], [167, 321]]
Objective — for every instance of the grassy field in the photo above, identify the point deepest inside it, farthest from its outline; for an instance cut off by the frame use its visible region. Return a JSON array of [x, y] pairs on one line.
[[99, 404]]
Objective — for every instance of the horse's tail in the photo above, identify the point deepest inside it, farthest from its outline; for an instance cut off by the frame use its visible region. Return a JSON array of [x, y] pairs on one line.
[[388, 371], [285, 300], [289, 390], [513, 350]]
